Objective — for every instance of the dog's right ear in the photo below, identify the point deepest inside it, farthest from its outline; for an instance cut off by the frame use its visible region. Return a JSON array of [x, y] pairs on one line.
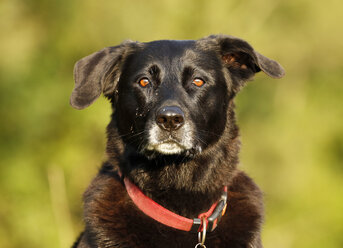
[[98, 73]]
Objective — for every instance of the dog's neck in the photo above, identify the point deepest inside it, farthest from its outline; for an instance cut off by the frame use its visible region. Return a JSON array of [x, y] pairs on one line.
[[185, 187], [193, 183]]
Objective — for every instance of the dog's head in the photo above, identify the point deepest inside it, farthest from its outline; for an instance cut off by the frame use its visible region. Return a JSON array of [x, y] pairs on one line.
[[170, 97]]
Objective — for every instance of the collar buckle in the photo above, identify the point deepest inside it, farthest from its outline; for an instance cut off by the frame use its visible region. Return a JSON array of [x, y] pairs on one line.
[[212, 220]]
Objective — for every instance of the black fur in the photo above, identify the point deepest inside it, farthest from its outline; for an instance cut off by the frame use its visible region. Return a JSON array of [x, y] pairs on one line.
[[182, 169]]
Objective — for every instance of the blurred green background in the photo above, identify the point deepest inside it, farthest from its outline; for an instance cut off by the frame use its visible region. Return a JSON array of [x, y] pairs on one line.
[[292, 130]]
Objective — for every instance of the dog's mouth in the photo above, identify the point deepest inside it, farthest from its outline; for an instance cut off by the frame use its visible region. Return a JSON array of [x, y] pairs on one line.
[[171, 142], [168, 146]]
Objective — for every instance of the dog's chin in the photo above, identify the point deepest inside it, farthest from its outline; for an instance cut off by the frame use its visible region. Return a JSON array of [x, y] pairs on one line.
[[167, 148]]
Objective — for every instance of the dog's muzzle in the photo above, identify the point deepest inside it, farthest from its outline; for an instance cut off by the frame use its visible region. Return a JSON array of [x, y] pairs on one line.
[[170, 133]]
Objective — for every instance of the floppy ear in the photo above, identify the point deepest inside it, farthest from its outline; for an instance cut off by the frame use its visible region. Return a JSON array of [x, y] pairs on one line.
[[243, 61], [97, 73]]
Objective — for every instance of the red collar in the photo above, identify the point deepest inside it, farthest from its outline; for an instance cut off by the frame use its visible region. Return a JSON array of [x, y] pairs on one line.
[[168, 218]]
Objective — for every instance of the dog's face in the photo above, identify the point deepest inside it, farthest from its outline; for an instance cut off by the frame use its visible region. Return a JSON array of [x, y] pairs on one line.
[[170, 97]]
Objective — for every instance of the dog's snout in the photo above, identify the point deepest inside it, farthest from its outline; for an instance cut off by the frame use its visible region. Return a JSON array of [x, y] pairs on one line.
[[170, 118]]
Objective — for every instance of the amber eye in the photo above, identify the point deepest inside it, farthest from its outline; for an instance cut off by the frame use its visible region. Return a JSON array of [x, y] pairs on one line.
[[198, 82], [144, 82]]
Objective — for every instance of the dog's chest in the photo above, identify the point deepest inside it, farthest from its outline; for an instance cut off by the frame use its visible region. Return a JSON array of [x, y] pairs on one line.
[[117, 222]]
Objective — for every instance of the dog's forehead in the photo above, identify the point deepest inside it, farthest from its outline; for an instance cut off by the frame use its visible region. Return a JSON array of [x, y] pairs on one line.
[[167, 48], [175, 53]]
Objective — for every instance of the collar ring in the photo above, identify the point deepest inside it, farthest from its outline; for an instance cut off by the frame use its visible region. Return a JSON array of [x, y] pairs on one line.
[[202, 234]]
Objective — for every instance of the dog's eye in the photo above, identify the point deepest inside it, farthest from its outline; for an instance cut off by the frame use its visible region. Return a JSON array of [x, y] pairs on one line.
[[198, 82], [144, 82]]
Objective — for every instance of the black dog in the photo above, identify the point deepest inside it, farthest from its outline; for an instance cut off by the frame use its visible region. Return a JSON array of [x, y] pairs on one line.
[[172, 145]]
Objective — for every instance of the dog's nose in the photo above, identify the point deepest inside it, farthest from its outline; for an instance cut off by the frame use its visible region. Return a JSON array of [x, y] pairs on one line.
[[170, 118]]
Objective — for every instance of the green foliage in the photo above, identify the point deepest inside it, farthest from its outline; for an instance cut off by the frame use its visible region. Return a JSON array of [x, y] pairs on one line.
[[292, 132]]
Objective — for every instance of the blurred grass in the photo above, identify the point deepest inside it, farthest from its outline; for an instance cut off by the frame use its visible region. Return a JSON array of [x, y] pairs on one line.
[[292, 130]]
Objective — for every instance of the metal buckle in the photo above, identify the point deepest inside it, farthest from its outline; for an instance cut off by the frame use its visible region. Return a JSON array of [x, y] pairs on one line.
[[215, 217], [213, 220], [218, 212]]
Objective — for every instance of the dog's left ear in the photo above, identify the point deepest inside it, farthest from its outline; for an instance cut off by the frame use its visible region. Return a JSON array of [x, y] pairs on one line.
[[243, 61]]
